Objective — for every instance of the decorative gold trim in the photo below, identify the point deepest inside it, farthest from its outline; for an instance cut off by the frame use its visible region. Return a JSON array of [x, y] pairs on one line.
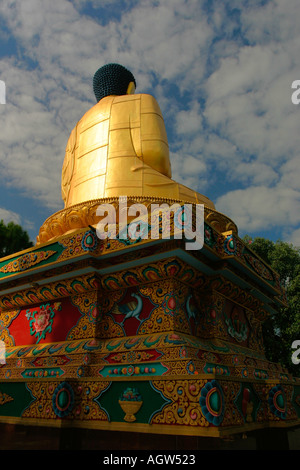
[[83, 215], [148, 428], [26, 261], [211, 376]]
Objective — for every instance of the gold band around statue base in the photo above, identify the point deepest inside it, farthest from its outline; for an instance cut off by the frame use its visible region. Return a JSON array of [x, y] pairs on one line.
[[84, 215]]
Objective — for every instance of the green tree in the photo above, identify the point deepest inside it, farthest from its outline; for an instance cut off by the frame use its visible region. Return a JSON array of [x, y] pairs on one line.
[[281, 329], [13, 239]]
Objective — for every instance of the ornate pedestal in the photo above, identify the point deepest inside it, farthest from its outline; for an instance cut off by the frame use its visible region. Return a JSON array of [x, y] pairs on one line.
[[142, 336]]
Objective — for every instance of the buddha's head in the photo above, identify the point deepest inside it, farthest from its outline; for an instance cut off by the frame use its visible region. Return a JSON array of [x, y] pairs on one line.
[[113, 79]]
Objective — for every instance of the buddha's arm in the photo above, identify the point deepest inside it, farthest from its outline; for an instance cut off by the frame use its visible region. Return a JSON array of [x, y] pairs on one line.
[[154, 141], [155, 154]]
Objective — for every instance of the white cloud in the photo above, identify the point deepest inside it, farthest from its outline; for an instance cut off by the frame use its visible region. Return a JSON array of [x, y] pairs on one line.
[[291, 173], [189, 121], [275, 22], [249, 103], [254, 173], [294, 237], [262, 208], [9, 216]]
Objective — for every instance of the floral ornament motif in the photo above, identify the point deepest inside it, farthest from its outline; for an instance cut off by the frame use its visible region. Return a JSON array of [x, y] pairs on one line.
[[89, 241], [277, 402], [41, 320], [212, 402], [94, 313], [169, 304], [190, 368], [63, 400], [80, 372], [230, 245]]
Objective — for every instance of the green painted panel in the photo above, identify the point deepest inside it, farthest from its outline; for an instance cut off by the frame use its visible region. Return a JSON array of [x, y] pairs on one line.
[[14, 398], [56, 247], [152, 400]]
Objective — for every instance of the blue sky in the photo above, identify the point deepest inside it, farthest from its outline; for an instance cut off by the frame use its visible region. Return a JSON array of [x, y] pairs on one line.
[[221, 71]]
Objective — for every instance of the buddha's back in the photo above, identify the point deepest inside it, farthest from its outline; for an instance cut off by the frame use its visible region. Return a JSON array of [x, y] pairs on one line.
[[120, 147], [111, 147]]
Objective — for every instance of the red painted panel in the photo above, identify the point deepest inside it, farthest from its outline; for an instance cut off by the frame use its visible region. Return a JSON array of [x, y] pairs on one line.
[[44, 323]]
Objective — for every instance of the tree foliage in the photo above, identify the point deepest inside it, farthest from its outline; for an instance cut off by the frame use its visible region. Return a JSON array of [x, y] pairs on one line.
[[283, 328], [13, 239]]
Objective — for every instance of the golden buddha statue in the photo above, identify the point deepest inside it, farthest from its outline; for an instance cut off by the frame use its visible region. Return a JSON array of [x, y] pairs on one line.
[[120, 146]]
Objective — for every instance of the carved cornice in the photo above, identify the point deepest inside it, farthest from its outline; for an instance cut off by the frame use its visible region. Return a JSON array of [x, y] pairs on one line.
[[83, 215]]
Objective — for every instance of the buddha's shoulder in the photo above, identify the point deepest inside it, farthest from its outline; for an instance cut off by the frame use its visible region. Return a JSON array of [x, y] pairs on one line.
[[149, 104], [144, 97], [103, 108]]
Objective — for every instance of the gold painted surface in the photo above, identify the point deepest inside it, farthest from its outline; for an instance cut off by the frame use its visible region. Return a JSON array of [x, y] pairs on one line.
[[118, 148], [170, 429]]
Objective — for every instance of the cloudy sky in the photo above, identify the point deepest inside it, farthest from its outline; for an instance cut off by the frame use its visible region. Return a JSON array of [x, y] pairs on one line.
[[221, 71]]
